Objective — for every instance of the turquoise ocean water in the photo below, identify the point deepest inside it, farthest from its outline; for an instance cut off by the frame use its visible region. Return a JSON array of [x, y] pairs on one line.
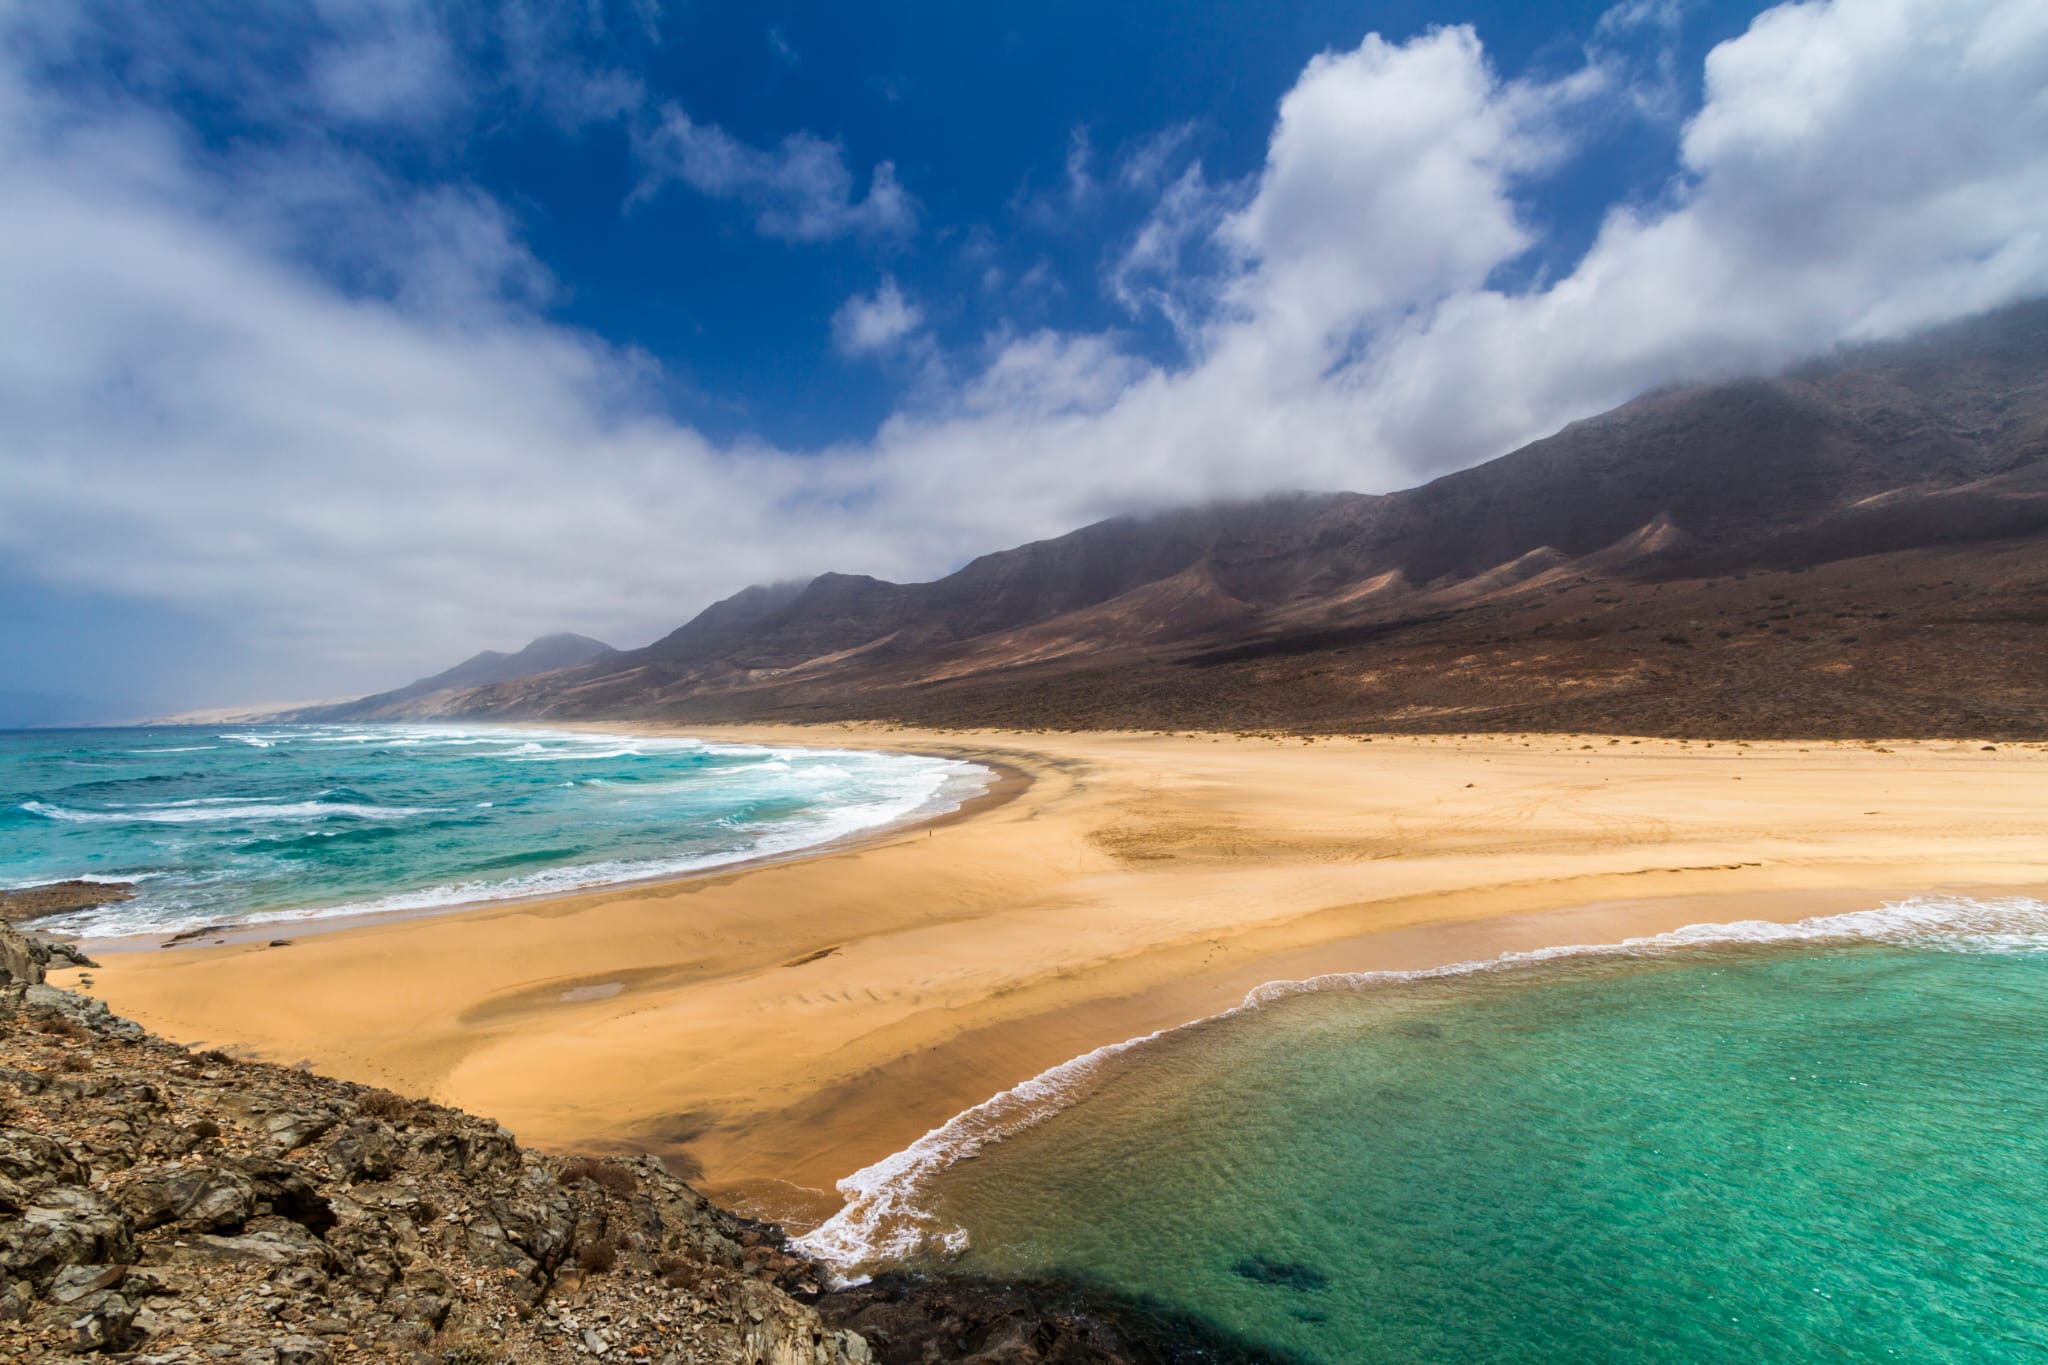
[[1820, 1142], [226, 824]]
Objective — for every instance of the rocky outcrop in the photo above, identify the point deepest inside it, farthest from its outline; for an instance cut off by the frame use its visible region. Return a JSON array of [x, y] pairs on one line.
[[162, 1206], [910, 1320], [24, 903]]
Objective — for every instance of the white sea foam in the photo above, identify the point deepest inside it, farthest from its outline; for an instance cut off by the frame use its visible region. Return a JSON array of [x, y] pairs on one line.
[[180, 749], [884, 1218], [853, 793], [767, 841], [589, 756]]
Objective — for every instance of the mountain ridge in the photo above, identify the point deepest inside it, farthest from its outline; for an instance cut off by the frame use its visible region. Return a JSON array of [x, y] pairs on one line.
[[1886, 470]]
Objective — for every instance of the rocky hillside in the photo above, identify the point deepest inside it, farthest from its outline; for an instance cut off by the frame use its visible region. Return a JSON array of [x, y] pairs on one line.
[[1814, 553], [161, 1206]]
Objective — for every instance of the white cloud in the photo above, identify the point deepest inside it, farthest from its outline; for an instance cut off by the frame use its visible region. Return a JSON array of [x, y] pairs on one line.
[[391, 475], [866, 324], [799, 190], [390, 66], [1145, 166]]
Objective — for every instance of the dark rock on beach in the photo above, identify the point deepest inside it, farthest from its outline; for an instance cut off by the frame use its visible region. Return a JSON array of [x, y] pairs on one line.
[[23, 904], [912, 1319]]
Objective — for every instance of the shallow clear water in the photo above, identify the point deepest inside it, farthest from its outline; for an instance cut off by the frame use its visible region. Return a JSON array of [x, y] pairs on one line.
[[1831, 1145], [219, 825]]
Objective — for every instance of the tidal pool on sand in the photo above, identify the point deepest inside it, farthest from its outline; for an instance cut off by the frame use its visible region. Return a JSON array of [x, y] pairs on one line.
[[1828, 1149]]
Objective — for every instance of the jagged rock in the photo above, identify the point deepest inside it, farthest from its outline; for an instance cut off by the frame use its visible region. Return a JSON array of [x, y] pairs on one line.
[[21, 964], [293, 1129], [783, 1338], [471, 1154], [67, 1225], [194, 1198], [88, 1014], [98, 1321], [539, 1217], [35, 1162], [286, 1245], [364, 1150], [62, 954], [304, 1351], [74, 1282], [24, 1082]]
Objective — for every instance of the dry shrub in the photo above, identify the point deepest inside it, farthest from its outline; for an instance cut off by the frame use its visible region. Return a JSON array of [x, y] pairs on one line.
[[203, 1128], [617, 1180], [597, 1258], [62, 1026], [679, 1272], [383, 1104]]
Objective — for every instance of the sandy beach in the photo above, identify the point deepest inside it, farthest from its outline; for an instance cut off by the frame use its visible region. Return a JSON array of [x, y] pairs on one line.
[[772, 1029]]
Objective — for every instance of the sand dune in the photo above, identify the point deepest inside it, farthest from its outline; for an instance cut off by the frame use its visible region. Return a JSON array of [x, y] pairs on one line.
[[783, 1026]]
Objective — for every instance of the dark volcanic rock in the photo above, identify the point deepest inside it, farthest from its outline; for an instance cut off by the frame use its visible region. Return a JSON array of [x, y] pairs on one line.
[[146, 1206], [56, 898], [912, 1320]]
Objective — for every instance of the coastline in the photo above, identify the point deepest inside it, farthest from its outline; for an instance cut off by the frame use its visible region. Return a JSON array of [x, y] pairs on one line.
[[1004, 783], [780, 1027]]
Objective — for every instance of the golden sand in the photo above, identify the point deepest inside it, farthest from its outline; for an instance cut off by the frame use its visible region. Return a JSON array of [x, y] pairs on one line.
[[785, 1025]]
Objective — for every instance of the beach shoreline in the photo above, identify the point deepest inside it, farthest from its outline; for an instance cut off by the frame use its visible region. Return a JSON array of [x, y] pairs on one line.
[[771, 1030], [1004, 783]]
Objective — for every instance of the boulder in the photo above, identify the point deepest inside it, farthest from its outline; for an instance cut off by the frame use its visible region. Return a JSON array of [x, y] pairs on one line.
[[21, 964], [193, 1198], [66, 1226], [35, 1162], [364, 1150], [97, 1322]]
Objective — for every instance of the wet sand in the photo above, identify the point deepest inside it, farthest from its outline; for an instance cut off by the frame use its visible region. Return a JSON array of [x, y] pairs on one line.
[[775, 1028]]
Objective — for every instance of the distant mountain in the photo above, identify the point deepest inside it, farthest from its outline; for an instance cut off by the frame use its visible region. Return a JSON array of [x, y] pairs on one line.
[[1859, 546], [25, 710], [434, 696]]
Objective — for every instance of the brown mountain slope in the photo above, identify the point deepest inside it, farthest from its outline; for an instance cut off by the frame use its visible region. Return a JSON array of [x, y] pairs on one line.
[[1857, 547], [433, 696]]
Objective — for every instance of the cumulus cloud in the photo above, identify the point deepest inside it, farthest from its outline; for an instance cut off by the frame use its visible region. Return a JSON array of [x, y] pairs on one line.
[[799, 190], [392, 458], [866, 324]]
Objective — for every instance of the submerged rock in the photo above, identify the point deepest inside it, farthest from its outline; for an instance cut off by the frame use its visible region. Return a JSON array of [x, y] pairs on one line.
[[1285, 1274]]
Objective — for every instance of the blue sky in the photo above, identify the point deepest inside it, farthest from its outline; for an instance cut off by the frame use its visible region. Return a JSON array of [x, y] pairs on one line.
[[345, 338]]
